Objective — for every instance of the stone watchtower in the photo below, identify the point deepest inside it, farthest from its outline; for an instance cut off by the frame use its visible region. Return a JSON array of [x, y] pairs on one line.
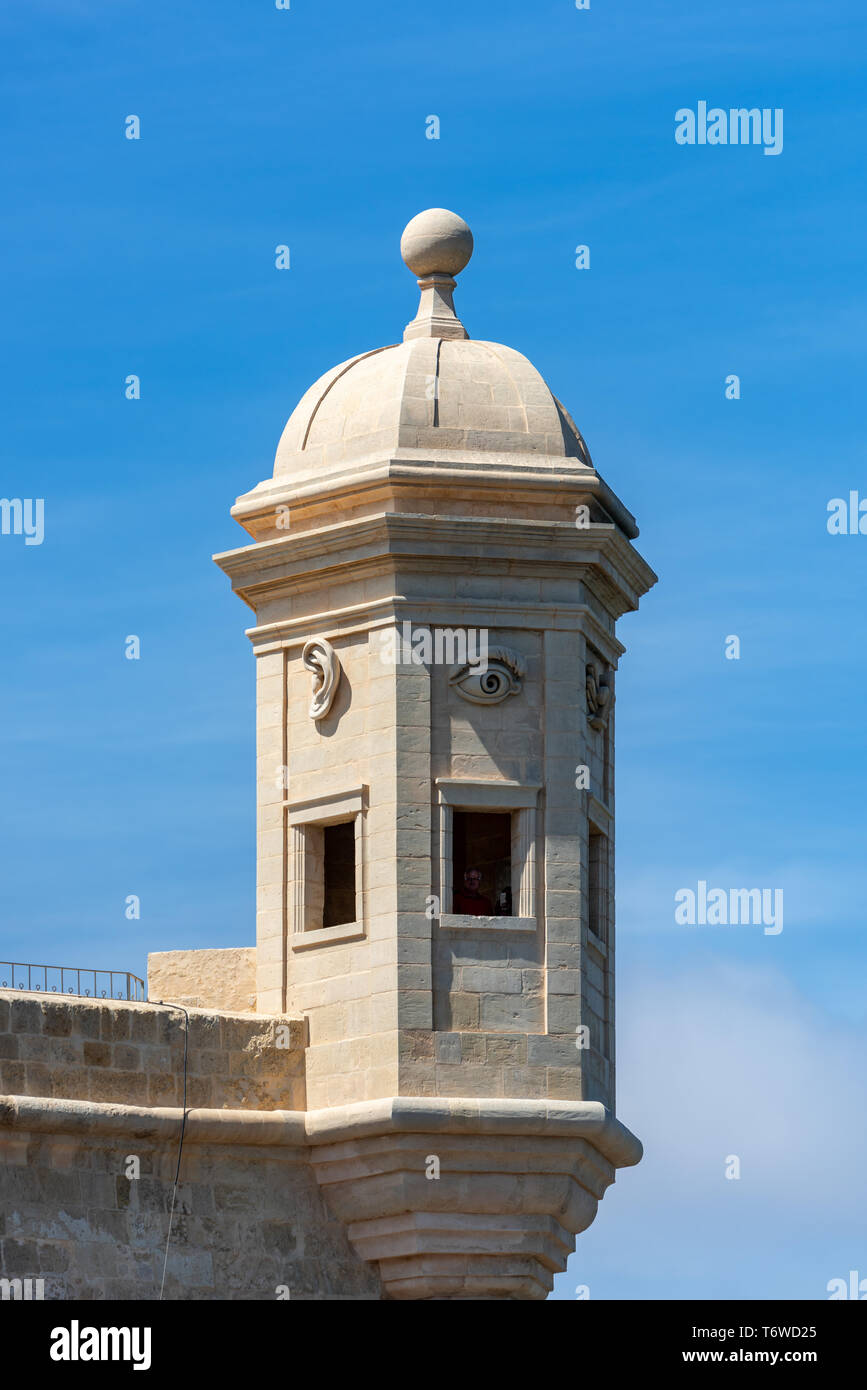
[[436, 569]]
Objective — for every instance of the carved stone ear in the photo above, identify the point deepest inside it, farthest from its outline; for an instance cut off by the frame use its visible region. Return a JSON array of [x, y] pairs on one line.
[[320, 659], [599, 694]]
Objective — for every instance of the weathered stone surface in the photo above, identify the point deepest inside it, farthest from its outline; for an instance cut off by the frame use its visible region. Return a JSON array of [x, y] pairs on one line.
[[233, 1060], [102, 1235], [210, 979]]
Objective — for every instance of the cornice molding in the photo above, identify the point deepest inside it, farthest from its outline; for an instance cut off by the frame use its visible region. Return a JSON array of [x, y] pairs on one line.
[[266, 568], [530, 473], [589, 1120]]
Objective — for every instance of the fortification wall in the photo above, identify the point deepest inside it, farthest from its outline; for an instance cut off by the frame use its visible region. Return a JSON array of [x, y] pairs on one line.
[[90, 1121], [108, 1050]]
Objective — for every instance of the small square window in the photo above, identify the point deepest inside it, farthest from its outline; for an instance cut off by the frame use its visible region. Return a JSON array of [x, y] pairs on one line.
[[482, 863], [325, 884], [329, 875], [598, 922], [597, 885], [338, 865], [487, 830]]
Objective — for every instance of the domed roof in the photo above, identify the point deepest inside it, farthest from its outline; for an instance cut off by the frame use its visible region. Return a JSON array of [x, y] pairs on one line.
[[427, 393], [437, 390]]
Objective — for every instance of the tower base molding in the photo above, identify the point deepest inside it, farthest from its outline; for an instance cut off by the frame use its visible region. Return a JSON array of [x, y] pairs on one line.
[[467, 1198]]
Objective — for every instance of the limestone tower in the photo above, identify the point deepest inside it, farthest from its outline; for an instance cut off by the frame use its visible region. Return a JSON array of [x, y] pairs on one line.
[[436, 569]]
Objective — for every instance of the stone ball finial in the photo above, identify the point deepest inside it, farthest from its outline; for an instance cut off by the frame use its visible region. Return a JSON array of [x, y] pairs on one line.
[[436, 242]]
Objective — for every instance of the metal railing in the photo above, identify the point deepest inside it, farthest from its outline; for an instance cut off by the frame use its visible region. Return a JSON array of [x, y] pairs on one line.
[[67, 979]]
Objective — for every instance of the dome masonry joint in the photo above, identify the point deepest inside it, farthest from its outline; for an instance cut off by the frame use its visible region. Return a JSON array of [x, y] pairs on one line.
[[436, 246]]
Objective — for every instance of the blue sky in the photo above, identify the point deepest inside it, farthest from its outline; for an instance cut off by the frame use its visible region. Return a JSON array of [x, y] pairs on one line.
[[156, 257]]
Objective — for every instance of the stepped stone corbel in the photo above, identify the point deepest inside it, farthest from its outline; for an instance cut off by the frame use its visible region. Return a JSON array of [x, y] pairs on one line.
[[515, 1181]]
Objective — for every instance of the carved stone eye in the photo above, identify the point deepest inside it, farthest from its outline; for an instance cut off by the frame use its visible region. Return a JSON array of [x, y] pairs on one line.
[[503, 676]]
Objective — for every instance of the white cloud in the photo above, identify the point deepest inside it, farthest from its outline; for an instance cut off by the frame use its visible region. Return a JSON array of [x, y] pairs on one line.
[[725, 1059], [734, 1059]]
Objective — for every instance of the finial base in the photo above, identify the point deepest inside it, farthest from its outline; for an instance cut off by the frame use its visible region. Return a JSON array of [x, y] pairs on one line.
[[436, 316]]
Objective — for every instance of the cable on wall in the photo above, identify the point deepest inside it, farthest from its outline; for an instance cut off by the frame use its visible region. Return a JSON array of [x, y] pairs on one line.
[[161, 1004]]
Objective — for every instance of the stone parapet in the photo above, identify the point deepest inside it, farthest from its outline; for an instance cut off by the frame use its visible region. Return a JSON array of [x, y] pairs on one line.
[[223, 978], [111, 1050], [87, 1188]]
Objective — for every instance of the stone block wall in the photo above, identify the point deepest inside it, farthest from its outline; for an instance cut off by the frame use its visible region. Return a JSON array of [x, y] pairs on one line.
[[90, 1118], [249, 1221], [518, 1066], [133, 1054], [488, 982], [223, 978]]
